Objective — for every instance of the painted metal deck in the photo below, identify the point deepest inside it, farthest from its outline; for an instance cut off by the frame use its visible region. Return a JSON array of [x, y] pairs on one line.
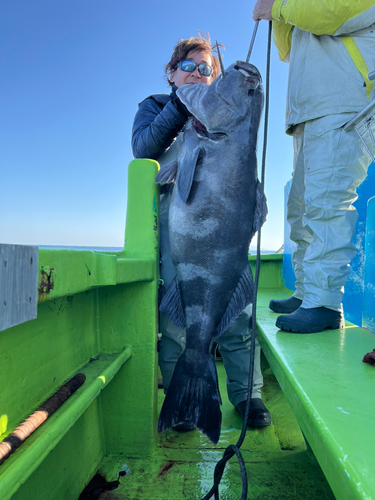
[[278, 464], [331, 393]]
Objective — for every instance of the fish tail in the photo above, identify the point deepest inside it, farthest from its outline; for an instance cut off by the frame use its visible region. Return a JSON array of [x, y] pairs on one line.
[[193, 396]]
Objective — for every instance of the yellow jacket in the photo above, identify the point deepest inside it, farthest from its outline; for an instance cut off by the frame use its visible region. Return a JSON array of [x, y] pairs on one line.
[[330, 45]]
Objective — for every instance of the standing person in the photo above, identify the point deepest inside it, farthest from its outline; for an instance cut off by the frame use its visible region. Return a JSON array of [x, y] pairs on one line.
[[156, 134], [330, 45]]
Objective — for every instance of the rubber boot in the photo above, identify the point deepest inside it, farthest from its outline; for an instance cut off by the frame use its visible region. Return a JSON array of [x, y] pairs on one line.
[[259, 416], [285, 306], [311, 320]]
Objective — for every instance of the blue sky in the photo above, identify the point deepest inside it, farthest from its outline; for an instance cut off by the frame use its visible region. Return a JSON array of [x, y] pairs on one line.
[[72, 73]]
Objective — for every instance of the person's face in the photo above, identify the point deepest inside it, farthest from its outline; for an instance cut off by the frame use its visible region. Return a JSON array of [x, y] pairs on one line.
[[179, 77]]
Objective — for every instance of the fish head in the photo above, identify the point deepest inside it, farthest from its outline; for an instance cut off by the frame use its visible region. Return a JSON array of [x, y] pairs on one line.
[[228, 101]]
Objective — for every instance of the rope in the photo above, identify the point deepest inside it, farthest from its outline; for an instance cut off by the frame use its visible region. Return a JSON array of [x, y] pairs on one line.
[[235, 449]]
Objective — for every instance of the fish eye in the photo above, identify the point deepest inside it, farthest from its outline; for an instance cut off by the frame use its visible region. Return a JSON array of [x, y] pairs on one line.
[[251, 92]]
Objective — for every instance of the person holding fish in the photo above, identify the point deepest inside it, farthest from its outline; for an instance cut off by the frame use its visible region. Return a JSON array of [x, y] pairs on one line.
[[157, 133], [330, 46]]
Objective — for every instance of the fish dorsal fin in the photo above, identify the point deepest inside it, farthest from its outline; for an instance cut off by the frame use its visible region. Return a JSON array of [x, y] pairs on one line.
[[186, 172], [168, 173], [172, 305], [261, 209], [241, 298]]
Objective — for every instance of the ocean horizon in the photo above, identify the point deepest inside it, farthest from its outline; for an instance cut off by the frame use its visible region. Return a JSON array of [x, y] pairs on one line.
[[252, 249]]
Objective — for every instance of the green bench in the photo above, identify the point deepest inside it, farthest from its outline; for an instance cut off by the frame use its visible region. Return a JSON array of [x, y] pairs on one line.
[[330, 391]]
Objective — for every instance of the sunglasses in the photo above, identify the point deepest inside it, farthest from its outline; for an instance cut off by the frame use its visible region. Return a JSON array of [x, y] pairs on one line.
[[189, 66]]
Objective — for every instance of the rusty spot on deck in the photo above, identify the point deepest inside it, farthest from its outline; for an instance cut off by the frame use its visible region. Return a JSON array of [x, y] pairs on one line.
[[155, 223], [47, 276]]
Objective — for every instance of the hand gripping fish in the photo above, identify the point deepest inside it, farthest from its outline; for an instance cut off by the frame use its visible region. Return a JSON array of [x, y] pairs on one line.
[[216, 208]]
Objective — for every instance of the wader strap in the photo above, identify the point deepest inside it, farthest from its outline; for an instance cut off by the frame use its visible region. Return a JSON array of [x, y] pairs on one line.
[[358, 60]]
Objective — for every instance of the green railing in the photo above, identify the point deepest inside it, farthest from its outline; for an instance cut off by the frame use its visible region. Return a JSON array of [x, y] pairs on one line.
[[97, 314]]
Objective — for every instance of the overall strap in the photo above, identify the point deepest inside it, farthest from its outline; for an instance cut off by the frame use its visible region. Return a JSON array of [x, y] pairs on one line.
[[359, 61]]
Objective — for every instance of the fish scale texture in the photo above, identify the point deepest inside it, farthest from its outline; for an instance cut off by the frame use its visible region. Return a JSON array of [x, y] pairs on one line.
[[211, 223]]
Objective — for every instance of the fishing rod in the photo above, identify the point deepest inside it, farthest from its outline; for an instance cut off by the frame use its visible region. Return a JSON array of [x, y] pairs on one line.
[[232, 450], [252, 40]]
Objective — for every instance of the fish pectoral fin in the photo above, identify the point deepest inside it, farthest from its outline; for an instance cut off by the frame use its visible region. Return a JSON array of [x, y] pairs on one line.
[[168, 173], [261, 209], [186, 173], [241, 298], [172, 305]]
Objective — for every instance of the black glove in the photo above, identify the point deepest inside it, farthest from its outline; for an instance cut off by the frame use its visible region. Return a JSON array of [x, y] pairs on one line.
[[179, 104]]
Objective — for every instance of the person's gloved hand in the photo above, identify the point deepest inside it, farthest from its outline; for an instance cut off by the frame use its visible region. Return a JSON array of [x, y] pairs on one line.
[[263, 10], [179, 104]]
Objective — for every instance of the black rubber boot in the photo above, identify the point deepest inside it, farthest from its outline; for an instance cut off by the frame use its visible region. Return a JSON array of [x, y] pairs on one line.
[[311, 320], [259, 416], [285, 306]]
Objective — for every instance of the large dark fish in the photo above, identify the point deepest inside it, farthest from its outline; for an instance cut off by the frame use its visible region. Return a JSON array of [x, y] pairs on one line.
[[216, 208]]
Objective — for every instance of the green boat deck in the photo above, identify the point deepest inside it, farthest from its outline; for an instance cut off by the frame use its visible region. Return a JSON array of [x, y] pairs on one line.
[[331, 392], [277, 462], [97, 314]]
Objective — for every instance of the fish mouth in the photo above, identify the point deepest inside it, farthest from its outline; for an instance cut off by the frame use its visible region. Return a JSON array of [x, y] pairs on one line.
[[250, 71], [203, 132]]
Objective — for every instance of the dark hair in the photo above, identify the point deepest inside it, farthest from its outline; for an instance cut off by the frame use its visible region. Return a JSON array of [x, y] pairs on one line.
[[202, 42]]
